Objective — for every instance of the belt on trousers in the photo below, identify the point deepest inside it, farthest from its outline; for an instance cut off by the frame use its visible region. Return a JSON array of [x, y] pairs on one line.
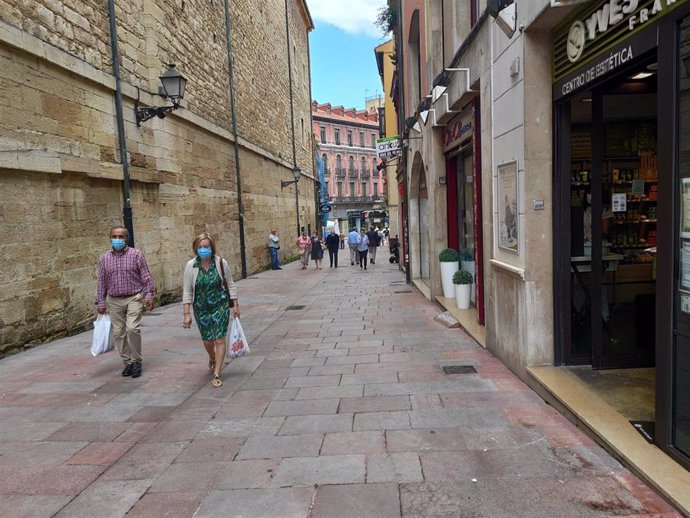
[[124, 296]]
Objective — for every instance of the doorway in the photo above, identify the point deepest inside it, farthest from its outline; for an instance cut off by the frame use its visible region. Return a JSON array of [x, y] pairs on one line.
[[613, 218]]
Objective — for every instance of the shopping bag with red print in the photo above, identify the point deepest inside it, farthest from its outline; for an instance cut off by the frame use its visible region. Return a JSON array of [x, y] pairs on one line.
[[237, 342]]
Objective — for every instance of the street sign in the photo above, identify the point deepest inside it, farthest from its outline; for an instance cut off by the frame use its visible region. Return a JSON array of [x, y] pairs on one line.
[[388, 147], [325, 208]]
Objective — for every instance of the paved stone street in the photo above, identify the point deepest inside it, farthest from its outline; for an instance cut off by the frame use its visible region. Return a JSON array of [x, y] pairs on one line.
[[341, 410]]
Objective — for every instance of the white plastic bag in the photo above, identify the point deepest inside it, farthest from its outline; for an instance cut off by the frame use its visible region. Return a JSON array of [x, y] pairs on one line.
[[237, 342], [102, 336]]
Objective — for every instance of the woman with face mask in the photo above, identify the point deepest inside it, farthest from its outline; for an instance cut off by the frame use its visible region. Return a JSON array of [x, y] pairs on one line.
[[208, 288]]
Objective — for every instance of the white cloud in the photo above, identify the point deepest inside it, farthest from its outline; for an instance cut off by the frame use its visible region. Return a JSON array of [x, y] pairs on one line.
[[353, 16]]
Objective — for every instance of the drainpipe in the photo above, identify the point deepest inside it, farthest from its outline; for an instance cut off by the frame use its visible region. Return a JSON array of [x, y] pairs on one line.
[[292, 113], [231, 80], [122, 137]]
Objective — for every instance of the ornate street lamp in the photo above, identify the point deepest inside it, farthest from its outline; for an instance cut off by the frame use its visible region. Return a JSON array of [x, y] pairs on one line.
[[173, 87], [296, 173]]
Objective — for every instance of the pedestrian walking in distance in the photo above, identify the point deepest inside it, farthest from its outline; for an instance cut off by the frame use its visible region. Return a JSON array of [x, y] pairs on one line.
[[342, 241], [208, 287], [363, 249], [316, 250], [352, 240], [273, 247], [304, 245], [125, 285], [332, 241], [374, 241]]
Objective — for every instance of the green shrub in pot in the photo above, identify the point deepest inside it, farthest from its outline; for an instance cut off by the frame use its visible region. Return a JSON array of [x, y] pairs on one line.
[[449, 256], [462, 277]]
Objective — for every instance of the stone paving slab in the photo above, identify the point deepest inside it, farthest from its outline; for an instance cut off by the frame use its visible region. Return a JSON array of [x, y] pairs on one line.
[[374, 404], [395, 467], [270, 447], [302, 407], [32, 506], [350, 443], [105, 498], [311, 424], [245, 474], [291, 502], [308, 471], [357, 501], [382, 421]]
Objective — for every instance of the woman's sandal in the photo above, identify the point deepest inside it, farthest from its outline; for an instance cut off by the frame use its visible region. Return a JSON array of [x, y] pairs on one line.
[[217, 382]]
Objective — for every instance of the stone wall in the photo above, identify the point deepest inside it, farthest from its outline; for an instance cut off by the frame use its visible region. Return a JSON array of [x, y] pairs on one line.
[[60, 167]]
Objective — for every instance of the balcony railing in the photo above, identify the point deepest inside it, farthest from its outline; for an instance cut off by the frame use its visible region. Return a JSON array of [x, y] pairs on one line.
[[365, 175], [327, 171], [352, 172], [357, 199], [376, 174], [340, 172]]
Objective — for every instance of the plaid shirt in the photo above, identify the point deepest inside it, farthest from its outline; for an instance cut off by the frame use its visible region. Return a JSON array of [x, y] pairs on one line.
[[122, 275]]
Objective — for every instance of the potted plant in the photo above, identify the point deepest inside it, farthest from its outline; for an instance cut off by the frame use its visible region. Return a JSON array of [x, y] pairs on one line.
[[450, 263], [463, 282], [467, 264]]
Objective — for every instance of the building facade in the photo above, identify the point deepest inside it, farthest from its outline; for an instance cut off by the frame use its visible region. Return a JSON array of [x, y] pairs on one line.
[[384, 55], [347, 143], [548, 148], [69, 139]]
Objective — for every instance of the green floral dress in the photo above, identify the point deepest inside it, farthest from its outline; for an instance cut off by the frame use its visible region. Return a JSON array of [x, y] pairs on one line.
[[211, 303]]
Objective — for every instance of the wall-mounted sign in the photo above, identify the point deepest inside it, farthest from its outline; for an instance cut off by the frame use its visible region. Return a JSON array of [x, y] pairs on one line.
[[458, 131], [390, 147], [594, 36]]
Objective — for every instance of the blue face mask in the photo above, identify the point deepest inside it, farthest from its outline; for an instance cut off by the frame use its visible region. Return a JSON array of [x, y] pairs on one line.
[[117, 244], [204, 251]]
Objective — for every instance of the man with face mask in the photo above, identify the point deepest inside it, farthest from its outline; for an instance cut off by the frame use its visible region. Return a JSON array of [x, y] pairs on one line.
[[125, 285]]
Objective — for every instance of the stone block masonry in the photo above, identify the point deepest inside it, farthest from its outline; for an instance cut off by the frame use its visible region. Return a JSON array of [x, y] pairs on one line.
[[60, 165]]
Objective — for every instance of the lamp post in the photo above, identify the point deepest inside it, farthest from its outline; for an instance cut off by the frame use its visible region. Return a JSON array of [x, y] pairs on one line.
[[296, 173]]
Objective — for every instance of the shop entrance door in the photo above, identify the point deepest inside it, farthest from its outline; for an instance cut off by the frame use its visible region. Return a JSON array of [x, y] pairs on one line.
[[613, 220]]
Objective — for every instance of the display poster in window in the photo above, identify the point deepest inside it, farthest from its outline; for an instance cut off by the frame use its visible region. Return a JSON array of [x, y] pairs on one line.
[[619, 202], [508, 216], [685, 267], [685, 208], [638, 187]]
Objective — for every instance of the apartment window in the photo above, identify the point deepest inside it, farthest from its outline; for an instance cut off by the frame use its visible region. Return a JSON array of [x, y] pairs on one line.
[[349, 138], [324, 157], [373, 166], [376, 189], [361, 139], [364, 190], [340, 189], [326, 188], [352, 189], [337, 137], [351, 163], [363, 165], [338, 163], [323, 134], [373, 140]]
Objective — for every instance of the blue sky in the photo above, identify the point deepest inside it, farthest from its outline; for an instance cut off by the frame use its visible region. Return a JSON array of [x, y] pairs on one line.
[[343, 67]]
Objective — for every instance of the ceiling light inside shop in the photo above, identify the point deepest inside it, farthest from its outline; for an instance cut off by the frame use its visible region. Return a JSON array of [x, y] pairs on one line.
[[642, 75]]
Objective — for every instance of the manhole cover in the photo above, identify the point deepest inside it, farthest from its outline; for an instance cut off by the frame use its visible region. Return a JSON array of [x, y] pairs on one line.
[[459, 369], [293, 308]]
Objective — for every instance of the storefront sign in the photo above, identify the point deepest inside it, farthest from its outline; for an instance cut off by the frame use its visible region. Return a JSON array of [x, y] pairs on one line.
[[615, 58], [458, 131], [595, 34]]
